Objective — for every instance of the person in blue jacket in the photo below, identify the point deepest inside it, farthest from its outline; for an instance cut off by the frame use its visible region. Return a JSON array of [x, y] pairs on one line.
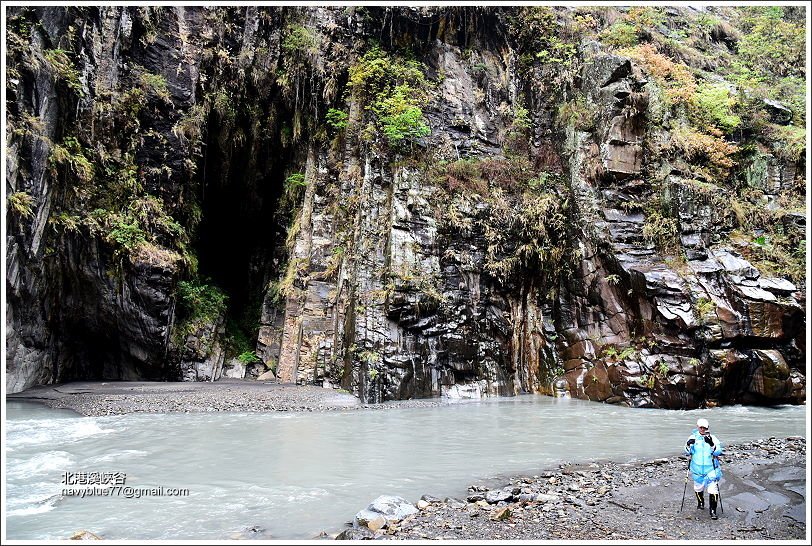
[[704, 448]]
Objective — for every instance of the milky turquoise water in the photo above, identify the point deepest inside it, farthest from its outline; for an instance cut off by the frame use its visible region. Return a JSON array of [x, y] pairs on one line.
[[296, 474]]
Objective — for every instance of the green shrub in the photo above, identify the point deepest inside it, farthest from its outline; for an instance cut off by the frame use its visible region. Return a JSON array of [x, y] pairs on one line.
[[789, 141], [292, 189], [393, 89], [521, 118], [248, 357], [200, 305], [620, 34], [126, 232], [201, 302], [576, 113], [337, 119], [715, 105], [557, 51], [298, 40], [400, 117], [156, 84], [704, 309], [771, 44], [72, 154], [628, 352], [646, 17]]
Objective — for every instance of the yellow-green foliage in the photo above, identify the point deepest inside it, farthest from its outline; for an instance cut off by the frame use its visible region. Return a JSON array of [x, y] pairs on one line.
[[21, 203], [155, 84], [704, 309], [71, 154], [774, 252], [789, 141], [111, 203], [526, 233], [577, 113], [142, 229], [646, 17], [299, 40], [620, 34], [189, 128], [285, 287], [715, 105], [531, 27], [63, 69], [393, 89], [633, 27], [772, 43], [661, 231]]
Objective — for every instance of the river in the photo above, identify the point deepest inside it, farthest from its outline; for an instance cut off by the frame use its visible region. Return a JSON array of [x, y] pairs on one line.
[[294, 475]]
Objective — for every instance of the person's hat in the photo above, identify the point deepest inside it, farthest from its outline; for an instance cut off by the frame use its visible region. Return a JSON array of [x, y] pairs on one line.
[[702, 423]]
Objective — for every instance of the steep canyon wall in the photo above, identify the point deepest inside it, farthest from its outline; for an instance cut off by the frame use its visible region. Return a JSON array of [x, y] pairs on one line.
[[401, 202]]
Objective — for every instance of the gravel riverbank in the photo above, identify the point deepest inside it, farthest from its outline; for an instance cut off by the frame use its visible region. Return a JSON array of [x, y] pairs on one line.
[[96, 398], [763, 498]]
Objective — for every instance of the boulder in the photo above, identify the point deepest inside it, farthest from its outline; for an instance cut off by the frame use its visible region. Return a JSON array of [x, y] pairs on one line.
[[267, 376], [234, 369], [254, 370], [779, 112], [391, 508], [498, 495]]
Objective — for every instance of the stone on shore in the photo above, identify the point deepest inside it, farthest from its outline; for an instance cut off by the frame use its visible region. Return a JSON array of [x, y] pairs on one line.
[[384, 510], [763, 495], [267, 376]]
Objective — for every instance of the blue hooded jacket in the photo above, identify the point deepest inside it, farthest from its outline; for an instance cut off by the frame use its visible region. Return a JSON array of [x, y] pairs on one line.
[[705, 467]]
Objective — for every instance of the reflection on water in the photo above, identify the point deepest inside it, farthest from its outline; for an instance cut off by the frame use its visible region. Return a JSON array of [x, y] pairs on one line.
[[296, 474]]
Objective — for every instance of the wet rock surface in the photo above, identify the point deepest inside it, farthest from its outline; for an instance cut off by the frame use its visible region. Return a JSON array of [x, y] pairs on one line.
[[762, 498]]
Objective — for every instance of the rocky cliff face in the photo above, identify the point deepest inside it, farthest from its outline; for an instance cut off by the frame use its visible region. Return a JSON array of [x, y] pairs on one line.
[[401, 202]]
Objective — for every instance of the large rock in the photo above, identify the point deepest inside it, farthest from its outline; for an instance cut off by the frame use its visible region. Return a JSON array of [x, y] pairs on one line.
[[234, 369], [391, 508]]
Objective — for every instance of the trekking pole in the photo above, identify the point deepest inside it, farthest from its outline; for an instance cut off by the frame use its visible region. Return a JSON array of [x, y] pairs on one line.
[[685, 487], [719, 486]]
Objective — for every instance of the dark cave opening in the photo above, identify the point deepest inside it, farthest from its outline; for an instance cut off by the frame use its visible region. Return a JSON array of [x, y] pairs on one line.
[[240, 233]]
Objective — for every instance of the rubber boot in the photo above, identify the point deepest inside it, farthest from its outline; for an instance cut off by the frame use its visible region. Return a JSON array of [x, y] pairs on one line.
[[700, 500], [713, 500]]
